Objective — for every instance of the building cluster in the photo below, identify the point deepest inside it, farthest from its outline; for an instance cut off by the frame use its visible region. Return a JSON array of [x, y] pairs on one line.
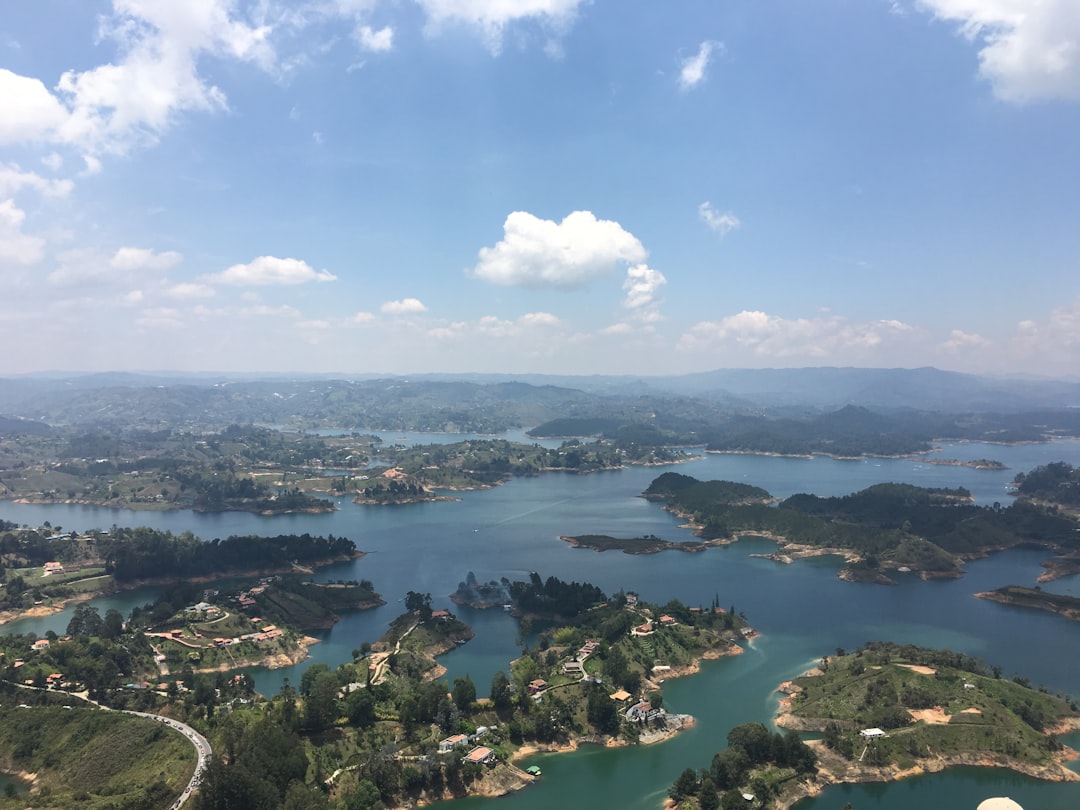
[[479, 754]]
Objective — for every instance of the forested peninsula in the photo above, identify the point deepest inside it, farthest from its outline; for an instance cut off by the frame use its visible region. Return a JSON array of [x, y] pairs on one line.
[[41, 570], [879, 531]]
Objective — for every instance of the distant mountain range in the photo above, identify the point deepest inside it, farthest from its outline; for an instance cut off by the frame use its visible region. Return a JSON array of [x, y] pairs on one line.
[[495, 402]]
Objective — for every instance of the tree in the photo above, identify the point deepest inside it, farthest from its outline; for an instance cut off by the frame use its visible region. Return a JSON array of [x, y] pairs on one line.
[[500, 691], [602, 713], [320, 707], [307, 679], [754, 738], [85, 621], [360, 708], [365, 797], [113, 624], [707, 798], [685, 785], [464, 693], [419, 603]]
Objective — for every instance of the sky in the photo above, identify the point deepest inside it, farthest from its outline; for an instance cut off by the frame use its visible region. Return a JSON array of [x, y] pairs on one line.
[[553, 186]]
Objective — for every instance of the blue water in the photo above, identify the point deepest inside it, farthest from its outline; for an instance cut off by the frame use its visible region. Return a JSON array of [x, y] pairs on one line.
[[802, 610]]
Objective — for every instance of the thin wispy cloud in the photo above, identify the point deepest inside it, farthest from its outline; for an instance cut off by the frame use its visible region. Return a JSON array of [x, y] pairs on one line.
[[692, 69], [722, 222]]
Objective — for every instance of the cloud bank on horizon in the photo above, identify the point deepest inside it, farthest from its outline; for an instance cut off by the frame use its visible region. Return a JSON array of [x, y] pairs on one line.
[[545, 185]]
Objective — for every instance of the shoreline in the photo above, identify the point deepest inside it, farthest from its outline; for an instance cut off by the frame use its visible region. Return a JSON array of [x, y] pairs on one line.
[[834, 770], [30, 500]]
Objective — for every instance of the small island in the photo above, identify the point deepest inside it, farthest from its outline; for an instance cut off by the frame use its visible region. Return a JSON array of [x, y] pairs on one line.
[[647, 544], [885, 712], [973, 464], [888, 711], [1062, 605]]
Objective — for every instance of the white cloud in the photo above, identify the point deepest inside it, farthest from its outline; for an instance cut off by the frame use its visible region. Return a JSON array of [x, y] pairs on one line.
[[13, 180], [190, 290], [160, 318], [1030, 49], [28, 111], [93, 166], [128, 265], [1055, 341], [361, 318], [492, 17], [642, 287], [531, 319], [115, 106], [15, 246], [406, 306], [53, 161], [376, 41], [960, 340], [538, 252], [270, 270], [772, 336], [722, 223], [131, 259], [692, 68]]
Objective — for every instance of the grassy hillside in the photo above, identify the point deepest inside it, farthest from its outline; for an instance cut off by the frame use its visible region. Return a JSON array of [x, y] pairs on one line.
[[930, 704], [90, 758]]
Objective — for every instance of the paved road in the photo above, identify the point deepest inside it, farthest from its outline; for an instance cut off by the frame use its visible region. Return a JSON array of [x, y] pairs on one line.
[[202, 748]]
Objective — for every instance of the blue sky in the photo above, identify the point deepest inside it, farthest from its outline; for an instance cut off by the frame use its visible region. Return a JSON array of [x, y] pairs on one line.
[[539, 185]]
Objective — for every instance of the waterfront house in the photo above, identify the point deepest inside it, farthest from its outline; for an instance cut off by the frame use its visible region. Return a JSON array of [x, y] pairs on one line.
[[481, 755], [872, 733], [450, 743], [642, 711]]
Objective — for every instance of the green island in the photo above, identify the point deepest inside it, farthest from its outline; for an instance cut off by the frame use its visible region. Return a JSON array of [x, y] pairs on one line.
[[880, 530], [380, 730], [1019, 596], [974, 464], [421, 472], [647, 544], [885, 712]]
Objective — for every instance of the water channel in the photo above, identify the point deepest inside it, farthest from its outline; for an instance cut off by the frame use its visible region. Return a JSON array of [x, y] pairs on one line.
[[803, 611]]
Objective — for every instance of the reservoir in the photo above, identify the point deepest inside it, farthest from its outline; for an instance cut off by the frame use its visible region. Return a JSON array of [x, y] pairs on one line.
[[802, 610]]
